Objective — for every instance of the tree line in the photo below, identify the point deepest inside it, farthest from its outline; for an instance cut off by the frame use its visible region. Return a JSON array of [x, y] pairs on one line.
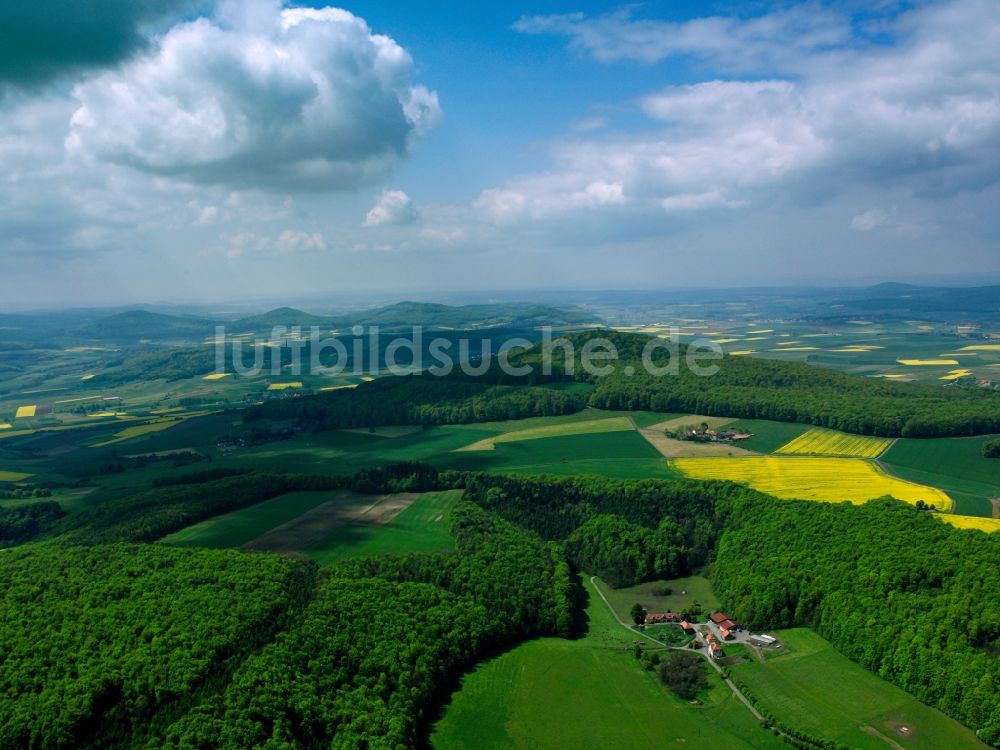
[[743, 387]]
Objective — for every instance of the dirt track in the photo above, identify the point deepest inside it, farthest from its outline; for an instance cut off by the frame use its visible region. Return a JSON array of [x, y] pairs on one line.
[[315, 525]]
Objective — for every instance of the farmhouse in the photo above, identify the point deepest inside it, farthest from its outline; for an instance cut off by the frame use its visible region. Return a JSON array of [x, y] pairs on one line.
[[727, 635], [715, 649], [686, 627], [662, 617], [724, 621]]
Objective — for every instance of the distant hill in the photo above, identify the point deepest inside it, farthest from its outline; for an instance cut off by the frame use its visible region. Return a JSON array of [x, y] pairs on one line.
[[945, 304], [282, 316], [137, 325], [426, 314]]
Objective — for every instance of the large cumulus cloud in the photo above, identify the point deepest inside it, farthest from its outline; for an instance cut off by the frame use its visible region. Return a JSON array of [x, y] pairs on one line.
[[260, 96]]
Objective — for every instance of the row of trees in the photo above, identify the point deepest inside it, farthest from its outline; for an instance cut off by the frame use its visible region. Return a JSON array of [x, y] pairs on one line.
[[991, 449], [417, 399]]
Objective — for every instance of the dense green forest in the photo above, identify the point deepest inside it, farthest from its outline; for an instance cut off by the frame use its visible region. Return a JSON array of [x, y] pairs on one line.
[[99, 644], [743, 387], [142, 645]]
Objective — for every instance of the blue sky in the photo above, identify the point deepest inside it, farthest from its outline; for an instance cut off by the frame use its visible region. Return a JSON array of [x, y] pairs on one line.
[[200, 150]]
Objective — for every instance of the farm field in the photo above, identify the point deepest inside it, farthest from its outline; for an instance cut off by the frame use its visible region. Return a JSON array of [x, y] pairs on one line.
[[514, 701], [422, 527], [321, 521], [805, 478], [611, 451], [155, 425], [956, 465], [768, 436], [12, 476], [239, 527], [820, 441], [685, 592], [989, 525], [816, 689], [561, 429]]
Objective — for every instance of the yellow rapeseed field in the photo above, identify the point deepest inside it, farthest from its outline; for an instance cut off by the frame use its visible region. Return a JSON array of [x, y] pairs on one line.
[[12, 476], [822, 479], [971, 522], [981, 348], [5, 425], [927, 362], [24, 412], [215, 376], [820, 441], [283, 386]]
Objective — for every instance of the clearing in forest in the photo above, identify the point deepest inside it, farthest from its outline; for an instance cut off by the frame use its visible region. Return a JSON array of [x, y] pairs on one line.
[[317, 524], [820, 441], [804, 478]]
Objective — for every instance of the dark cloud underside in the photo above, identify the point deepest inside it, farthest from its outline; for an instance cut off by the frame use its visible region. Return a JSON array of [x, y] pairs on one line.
[[42, 40]]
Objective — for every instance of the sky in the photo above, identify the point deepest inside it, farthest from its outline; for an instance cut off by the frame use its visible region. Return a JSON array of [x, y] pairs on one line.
[[209, 150]]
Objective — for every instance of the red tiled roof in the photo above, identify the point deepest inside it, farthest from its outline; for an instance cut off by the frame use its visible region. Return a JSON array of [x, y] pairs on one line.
[[720, 617]]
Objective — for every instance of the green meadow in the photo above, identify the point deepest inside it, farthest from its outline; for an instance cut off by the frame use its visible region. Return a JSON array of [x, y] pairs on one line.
[[955, 465], [423, 527], [587, 694], [607, 453], [684, 592], [816, 690]]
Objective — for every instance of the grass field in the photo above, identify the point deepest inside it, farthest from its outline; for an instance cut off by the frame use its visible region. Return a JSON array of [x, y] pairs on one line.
[[816, 689], [684, 593], [804, 478], [608, 450], [13, 476], [239, 527], [587, 694], [768, 436], [820, 441], [157, 425], [423, 527], [956, 465], [560, 429]]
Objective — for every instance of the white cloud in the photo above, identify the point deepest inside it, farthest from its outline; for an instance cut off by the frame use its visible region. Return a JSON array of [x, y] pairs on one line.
[[727, 42], [869, 220], [695, 201], [292, 99], [392, 207], [921, 115], [290, 241]]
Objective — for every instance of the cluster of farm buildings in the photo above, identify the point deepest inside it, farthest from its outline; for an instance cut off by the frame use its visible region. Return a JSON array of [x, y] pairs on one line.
[[720, 628]]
